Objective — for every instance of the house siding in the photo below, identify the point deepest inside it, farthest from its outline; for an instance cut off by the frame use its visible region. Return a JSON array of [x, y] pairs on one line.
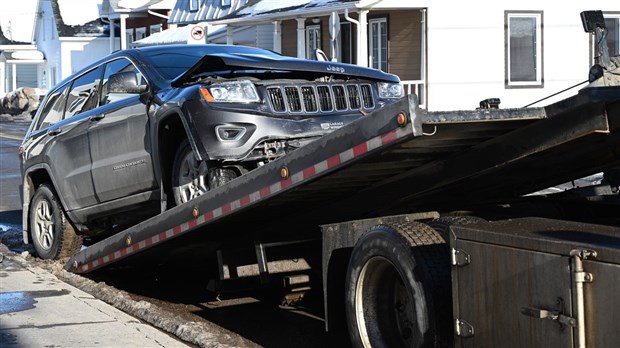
[[404, 43], [289, 38]]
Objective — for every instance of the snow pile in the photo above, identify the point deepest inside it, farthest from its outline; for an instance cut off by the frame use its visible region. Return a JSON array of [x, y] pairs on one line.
[[76, 13]]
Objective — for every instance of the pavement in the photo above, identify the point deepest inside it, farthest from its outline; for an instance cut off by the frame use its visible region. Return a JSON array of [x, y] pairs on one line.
[[39, 310]]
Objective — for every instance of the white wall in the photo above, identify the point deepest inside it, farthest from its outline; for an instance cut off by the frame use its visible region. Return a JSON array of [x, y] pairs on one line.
[[77, 53], [466, 51]]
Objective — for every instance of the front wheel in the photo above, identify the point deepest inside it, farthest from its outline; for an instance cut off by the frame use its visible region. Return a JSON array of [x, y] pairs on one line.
[[192, 178], [52, 234], [396, 288], [189, 176]]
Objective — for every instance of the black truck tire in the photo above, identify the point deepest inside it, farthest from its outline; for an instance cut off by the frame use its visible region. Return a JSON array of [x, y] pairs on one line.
[[52, 235], [398, 288]]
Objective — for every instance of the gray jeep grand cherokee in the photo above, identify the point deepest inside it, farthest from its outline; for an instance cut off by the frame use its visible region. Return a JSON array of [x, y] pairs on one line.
[[145, 129]]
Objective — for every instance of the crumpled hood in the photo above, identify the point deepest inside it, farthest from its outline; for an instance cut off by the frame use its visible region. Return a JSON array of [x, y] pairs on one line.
[[244, 61]]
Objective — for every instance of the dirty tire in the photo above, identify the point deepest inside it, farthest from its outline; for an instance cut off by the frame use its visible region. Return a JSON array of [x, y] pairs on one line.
[[189, 178], [398, 288], [442, 224], [52, 235]]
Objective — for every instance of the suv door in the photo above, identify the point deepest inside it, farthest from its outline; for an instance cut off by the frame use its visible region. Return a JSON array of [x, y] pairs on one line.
[[62, 139], [119, 138]]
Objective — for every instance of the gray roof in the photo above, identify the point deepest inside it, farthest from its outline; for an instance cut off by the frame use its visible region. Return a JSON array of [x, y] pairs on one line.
[[5, 41], [95, 28], [260, 10], [209, 10]]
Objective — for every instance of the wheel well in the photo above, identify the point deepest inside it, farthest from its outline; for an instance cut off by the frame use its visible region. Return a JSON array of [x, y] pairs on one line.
[[33, 180], [170, 135]]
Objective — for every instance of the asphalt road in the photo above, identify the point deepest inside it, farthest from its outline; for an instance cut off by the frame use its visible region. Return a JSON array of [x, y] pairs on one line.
[[253, 319]]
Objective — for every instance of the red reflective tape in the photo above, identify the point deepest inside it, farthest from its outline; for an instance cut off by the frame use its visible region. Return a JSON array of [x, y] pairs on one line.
[[333, 161], [162, 236], [176, 230], [135, 247], [226, 208], [245, 200], [309, 172], [388, 137], [360, 149], [264, 192], [192, 223], [112, 256], [148, 242], [123, 252], [100, 261], [286, 183]]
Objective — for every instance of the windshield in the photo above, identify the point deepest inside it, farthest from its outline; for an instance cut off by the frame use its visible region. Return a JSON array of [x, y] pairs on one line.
[[172, 61]]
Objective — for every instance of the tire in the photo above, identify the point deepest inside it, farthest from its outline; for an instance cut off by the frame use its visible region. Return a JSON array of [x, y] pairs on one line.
[[442, 224], [191, 178], [52, 235], [398, 288]]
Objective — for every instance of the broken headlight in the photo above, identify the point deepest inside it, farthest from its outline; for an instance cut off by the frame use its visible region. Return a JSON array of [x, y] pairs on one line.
[[390, 90]]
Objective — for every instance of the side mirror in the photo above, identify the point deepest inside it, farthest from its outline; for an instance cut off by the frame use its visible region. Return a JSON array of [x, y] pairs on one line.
[[125, 82]]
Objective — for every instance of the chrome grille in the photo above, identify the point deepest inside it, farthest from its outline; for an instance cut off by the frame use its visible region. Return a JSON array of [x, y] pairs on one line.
[[320, 98], [277, 100], [309, 99], [354, 97], [369, 102], [293, 101], [325, 99]]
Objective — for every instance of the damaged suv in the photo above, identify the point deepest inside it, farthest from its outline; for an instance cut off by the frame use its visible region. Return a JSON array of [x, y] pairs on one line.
[[146, 129]]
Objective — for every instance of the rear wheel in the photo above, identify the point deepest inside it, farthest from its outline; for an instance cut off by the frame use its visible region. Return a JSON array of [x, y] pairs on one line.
[[52, 234], [398, 288]]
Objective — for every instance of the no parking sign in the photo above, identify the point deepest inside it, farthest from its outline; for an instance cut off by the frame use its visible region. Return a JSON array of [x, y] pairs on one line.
[[197, 34]]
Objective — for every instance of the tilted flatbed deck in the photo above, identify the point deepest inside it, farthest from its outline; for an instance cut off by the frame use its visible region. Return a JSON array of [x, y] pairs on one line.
[[376, 166]]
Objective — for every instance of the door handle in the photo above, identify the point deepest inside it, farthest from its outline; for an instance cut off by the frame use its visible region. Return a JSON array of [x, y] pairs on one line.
[[54, 131], [97, 117]]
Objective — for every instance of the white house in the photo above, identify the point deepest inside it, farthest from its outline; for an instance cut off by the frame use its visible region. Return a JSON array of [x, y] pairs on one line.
[[189, 14], [71, 35], [453, 54], [19, 59]]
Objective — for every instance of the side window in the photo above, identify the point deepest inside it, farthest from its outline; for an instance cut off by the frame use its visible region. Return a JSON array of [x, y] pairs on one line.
[[119, 78], [84, 93], [54, 108], [378, 43], [524, 36]]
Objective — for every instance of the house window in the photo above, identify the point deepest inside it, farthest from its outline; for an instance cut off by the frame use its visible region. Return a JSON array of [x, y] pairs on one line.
[[225, 3], [612, 22], [129, 35], [523, 49], [154, 28], [378, 43], [193, 5], [346, 43], [140, 33], [313, 40]]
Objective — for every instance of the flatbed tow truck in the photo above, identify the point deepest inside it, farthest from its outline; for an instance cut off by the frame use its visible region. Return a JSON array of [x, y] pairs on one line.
[[420, 226]]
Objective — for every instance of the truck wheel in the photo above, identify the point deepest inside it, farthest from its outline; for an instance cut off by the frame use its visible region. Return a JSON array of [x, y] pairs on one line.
[[52, 234], [189, 176], [398, 285]]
